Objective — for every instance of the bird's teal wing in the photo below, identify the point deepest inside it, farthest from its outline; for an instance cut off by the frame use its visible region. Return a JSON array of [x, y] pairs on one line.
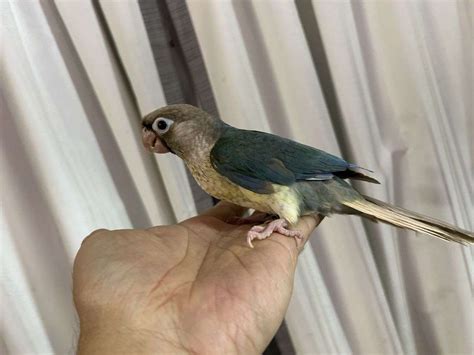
[[257, 160]]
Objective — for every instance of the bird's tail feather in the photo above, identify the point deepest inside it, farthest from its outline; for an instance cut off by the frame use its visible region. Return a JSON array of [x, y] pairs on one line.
[[384, 212]]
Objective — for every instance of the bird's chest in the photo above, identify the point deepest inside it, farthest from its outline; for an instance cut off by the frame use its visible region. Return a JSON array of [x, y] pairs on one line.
[[283, 202], [212, 182]]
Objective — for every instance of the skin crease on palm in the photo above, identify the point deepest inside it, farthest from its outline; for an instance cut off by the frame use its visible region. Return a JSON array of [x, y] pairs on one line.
[[193, 287]]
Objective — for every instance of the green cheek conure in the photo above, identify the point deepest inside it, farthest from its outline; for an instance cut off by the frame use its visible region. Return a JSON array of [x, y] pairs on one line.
[[274, 175]]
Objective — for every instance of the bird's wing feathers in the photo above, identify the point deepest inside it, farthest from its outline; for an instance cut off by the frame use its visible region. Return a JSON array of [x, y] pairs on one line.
[[256, 160]]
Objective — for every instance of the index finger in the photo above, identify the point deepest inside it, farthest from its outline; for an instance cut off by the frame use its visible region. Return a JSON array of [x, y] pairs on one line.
[[307, 224]]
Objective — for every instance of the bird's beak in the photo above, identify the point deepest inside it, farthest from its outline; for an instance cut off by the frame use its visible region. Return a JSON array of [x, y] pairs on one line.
[[152, 142]]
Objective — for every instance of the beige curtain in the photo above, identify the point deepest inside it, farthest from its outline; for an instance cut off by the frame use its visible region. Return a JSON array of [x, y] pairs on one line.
[[385, 84]]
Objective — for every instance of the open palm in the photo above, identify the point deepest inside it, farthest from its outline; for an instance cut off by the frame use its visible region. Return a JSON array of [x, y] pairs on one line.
[[195, 286]]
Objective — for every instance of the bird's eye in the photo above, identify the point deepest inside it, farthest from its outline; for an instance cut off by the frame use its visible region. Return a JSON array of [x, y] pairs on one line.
[[162, 125]]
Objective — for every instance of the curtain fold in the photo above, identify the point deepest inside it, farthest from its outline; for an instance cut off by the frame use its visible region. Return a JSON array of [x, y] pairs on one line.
[[387, 85]]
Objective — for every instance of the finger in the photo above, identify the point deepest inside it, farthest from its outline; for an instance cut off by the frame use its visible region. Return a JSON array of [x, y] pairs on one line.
[[306, 225], [225, 210]]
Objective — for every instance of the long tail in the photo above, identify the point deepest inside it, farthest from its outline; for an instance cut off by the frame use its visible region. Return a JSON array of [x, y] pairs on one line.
[[372, 208]]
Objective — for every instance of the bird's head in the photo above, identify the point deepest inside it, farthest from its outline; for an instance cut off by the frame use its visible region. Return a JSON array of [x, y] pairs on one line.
[[179, 129]]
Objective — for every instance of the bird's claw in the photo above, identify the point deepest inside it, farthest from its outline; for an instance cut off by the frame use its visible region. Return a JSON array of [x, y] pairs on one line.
[[264, 231]]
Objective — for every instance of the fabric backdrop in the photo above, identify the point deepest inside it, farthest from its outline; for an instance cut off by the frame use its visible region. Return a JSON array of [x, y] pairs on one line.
[[386, 84]]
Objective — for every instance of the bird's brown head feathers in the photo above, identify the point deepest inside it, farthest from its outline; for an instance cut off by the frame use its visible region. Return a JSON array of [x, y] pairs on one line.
[[180, 129]]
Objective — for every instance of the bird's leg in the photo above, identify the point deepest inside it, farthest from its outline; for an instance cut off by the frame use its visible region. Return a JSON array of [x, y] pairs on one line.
[[256, 218], [266, 230]]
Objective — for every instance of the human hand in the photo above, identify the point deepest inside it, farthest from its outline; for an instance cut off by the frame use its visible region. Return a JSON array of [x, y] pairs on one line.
[[191, 287]]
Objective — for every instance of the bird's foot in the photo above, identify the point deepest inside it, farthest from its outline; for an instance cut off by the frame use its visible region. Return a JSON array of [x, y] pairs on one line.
[[266, 230], [256, 218]]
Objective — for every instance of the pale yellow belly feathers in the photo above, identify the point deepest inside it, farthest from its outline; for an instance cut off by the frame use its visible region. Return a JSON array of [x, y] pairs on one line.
[[283, 202]]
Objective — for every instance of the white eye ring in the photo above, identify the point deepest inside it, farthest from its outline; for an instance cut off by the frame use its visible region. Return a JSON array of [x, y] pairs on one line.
[[161, 125]]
